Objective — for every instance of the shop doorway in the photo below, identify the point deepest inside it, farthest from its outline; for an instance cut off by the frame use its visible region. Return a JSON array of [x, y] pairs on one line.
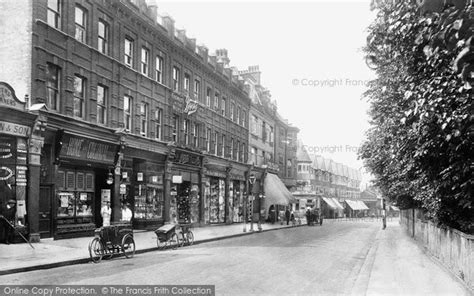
[[45, 211]]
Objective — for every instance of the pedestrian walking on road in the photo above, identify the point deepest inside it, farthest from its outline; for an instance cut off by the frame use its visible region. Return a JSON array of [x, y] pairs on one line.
[[287, 216]]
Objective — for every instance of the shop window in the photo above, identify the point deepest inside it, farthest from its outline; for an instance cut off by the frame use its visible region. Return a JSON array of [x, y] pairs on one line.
[[149, 202], [81, 24], [54, 13], [53, 78], [103, 37], [75, 200]]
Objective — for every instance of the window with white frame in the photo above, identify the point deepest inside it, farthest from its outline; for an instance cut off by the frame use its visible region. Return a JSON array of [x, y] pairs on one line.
[[81, 23], [237, 152], [175, 128], [79, 96], [145, 61], [232, 110], [127, 113], [54, 13], [253, 154], [197, 89], [208, 97], [223, 146], [195, 133], [216, 138], [243, 119], [238, 114], [159, 69], [53, 78], [176, 77], [216, 101], [208, 139], [186, 131], [242, 153], [128, 53], [254, 125], [102, 93], [158, 123], [187, 81], [223, 106], [231, 152], [103, 37], [144, 119]]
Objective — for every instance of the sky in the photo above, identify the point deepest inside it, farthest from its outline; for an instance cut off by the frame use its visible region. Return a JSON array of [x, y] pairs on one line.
[[310, 56]]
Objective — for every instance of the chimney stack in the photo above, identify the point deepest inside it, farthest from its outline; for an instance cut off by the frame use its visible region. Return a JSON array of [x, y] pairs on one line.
[[168, 23], [222, 57]]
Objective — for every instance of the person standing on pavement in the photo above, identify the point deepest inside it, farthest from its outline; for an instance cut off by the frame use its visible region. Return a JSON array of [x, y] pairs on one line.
[[9, 215], [287, 216], [106, 212], [6, 194], [308, 216]]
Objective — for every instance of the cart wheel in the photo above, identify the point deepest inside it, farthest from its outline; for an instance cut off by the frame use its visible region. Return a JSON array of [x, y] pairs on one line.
[[160, 243], [96, 250], [174, 241], [190, 237], [128, 246]]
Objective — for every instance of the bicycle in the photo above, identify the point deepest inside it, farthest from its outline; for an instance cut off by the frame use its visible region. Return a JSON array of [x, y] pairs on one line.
[[187, 236], [166, 236]]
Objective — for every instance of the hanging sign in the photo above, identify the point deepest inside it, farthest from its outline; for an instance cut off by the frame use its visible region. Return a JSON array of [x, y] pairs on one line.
[[105, 195]]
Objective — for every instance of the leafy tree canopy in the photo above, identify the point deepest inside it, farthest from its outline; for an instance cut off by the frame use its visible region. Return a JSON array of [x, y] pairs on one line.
[[420, 144]]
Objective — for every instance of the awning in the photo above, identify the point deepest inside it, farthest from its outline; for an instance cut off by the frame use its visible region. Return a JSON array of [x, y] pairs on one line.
[[356, 205], [395, 208], [337, 203], [333, 203], [276, 192]]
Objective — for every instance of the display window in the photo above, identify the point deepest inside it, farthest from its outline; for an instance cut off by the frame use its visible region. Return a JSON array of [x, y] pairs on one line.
[[187, 202], [217, 201], [149, 202], [238, 197], [75, 198]]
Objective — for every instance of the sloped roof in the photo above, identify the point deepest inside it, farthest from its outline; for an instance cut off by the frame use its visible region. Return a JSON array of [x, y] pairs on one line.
[[302, 155]]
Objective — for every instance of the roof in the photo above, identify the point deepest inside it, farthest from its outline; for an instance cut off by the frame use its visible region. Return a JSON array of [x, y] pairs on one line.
[[302, 155]]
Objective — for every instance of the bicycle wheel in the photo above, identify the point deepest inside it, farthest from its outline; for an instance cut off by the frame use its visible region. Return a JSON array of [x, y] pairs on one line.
[[128, 246], [190, 237], [161, 244], [96, 250], [174, 241]]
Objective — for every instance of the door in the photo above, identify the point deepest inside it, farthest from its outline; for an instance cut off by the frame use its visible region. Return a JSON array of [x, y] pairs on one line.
[[45, 211]]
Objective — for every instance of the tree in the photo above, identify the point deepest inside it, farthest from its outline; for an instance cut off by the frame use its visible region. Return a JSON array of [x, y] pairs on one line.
[[420, 144]]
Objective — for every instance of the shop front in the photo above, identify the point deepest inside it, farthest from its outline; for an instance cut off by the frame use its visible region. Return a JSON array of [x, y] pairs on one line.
[[141, 183], [185, 192], [84, 182], [16, 167], [236, 194]]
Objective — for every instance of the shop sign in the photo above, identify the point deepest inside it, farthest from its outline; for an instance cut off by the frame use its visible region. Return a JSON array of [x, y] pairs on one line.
[[177, 179], [8, 98], [105, 195], [187, 158], [216, 174], [123, 189], [190, 105], [5, 173], [14, 129], [85, 149]]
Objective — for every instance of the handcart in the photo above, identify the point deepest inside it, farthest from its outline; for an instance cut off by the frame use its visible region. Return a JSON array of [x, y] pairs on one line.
[[185, 234], [112, 240], [166, 236]]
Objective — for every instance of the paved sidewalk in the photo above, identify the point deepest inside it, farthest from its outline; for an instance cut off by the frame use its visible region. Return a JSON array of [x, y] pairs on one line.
[[53, 253], [396, 265]]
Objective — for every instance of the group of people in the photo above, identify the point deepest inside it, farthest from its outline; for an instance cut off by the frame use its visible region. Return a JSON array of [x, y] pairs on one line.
[[313, 216], [106, 213]]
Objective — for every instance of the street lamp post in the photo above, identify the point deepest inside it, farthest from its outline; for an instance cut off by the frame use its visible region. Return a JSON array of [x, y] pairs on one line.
[[251, 197]]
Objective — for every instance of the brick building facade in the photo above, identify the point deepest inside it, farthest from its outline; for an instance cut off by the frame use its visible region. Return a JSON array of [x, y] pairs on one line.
[[132, 112]]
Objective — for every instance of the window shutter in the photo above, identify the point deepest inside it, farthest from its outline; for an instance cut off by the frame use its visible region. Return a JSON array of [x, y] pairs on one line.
[[70, 181], [80, 181], [89, 182], [61, 180]]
